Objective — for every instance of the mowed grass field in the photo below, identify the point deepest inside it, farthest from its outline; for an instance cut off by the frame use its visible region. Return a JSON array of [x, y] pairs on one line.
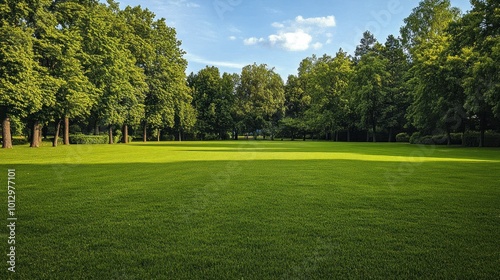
[[254, 210]]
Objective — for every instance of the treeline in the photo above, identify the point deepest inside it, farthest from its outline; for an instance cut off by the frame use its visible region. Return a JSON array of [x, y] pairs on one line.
[[439, 77], [89, 62], [100, 66]]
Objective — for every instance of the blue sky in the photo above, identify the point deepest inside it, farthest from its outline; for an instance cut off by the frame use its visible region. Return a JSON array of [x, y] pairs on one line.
[[233, 33]]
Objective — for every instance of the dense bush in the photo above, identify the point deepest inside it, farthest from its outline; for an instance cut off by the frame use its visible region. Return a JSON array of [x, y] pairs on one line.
[[403, 137], [19, 141], [88, 139], [491, 139], [415, 138]]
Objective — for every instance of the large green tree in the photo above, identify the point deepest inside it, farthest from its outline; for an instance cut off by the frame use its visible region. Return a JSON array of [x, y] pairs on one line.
[[425, 38], [76, 96], [397, 100], [20, 82], [261, 94], [112, 68], [370, 89], [475, 45]]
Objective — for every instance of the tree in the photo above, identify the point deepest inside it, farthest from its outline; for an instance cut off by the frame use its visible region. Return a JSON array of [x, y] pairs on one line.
[[261, 93], [38, 18], [297, 102], [75, 97], [20, 83], [396, 101], [206, 85], [369, 89], [476, 43], [428, 21], [425, 38], [112, 68], [330, 77], [367, 44]]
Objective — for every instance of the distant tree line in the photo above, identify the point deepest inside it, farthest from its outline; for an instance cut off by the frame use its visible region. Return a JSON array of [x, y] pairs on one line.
[[99, 66], [440, 76]]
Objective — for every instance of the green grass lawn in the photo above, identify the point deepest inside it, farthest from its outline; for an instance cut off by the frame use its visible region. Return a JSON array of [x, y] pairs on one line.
[[254, 210]]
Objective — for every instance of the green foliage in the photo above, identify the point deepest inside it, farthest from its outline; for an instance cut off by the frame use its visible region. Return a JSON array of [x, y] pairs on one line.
[[108, 66], [95, 139], [260, 96], [415, 138], [88, 139], [491, 139], [403, 137]]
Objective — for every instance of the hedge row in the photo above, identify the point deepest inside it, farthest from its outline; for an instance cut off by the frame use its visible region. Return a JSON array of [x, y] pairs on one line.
[[94, 139], [471, 139]]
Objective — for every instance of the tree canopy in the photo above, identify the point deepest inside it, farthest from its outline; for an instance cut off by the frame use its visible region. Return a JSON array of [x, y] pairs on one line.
[[87, 65]]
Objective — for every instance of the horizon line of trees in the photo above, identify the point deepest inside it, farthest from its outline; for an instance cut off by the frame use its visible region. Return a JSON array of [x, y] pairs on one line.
[[440, 76], [106, 67]]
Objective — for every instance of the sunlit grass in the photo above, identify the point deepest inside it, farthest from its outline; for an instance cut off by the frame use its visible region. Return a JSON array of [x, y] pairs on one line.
[[256, 210]]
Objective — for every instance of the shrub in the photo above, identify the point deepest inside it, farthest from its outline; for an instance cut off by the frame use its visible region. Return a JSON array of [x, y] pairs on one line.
[[403, 137], [19, 141], [426, 140], [491, 139], [88, 139], [415, 138]]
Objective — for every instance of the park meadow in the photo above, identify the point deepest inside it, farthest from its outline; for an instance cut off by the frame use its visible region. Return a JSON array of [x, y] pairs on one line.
[[255, 209]]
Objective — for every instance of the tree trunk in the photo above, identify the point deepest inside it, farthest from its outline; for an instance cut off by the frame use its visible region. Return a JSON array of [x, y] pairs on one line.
[[348, 135], [448, 136], [482, 125], [56, 135], [66, 130], [40, 136], [336, 136], [180, 136], [110, 134], [6, 134], [96, 128], [45, 132], [125, 134], [304, 137], [374, 133], [35, 134], [145, 133], [390, 135], [158, 136]]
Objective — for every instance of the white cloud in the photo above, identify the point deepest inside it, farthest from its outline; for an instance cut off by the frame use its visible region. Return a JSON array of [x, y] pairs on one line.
[[317, 46], [328, 21], [180, 3], [253, 41], [291, 41], [298, 34], [278, 25], [227, 64], [232, 38]]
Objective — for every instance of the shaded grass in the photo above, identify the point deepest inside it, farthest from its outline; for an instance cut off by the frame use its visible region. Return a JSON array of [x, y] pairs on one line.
[[256, 210]]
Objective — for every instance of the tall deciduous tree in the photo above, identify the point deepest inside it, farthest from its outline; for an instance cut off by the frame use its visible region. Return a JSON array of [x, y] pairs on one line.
[[370, 89], [425, 38], [20, 82], [476, 42], [262, 95]]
